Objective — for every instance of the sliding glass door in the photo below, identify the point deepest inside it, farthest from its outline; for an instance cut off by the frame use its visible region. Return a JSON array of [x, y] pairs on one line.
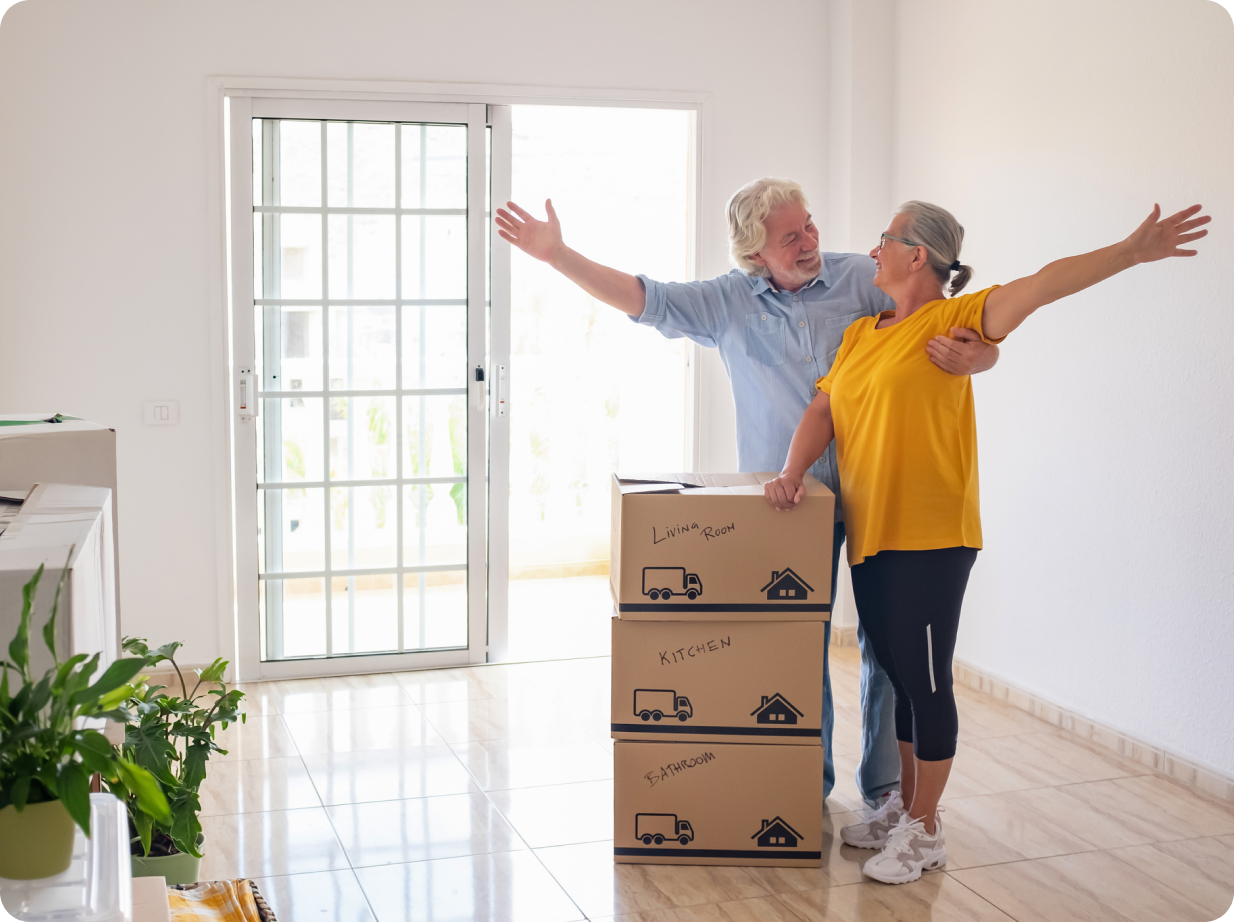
[[361, 343]]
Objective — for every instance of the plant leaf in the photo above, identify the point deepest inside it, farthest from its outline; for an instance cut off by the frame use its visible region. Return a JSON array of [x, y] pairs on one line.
[[73, 786], [148, 747], [49, 629], [145, 828], [185, 826], [193, 773], [19, 791], [117, 674], [39, 696], [214, 672], [168, 650], [145, 788], [19, 648], [135, 645]]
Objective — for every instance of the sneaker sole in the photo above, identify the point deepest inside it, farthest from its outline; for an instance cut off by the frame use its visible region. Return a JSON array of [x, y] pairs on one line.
[[927, 866]]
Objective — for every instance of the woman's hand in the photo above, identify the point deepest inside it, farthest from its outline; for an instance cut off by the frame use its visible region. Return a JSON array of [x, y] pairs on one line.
[[785, 492], [541, 239], [1160, 237]]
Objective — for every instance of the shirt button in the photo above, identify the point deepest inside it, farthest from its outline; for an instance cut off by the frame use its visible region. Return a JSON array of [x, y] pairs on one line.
[[801, 323], [809, 358], [764, 317], [794, 297]]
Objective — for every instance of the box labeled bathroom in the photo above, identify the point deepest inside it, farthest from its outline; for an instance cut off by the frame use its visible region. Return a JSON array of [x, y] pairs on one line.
[[717, 803], [718, 681], [708, 547]]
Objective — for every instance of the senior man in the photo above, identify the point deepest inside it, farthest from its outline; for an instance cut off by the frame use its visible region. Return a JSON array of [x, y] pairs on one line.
[[777, 320]]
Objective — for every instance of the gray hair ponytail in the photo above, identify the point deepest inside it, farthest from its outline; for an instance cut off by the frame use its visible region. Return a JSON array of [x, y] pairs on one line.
[[941, 234]]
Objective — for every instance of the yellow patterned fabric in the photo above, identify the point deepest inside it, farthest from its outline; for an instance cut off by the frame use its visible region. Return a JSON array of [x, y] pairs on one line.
[[214, 901]]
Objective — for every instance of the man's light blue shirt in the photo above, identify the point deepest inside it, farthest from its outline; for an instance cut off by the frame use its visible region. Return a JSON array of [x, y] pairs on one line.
[[774, 345]]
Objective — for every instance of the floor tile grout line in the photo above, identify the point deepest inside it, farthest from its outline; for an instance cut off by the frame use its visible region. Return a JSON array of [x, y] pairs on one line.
[[1112, 853], [539, 860], [982, 896]]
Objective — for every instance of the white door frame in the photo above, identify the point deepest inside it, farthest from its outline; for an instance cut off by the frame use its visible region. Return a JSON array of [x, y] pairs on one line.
[[248, 641], [237, 94]]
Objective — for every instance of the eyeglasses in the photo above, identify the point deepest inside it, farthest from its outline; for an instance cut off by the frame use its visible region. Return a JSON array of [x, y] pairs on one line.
[[883, 238]]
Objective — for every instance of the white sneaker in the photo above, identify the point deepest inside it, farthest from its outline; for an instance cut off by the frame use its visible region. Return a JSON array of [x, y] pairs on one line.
[[908, 852], [877, 827]]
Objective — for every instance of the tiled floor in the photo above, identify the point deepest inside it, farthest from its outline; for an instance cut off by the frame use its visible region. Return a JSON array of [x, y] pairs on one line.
[[472, 794]]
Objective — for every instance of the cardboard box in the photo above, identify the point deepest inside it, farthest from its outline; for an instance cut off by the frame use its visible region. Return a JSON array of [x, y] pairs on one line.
[[706, 803], [72, 451], [718, 681], [53, 519], [708, 547]]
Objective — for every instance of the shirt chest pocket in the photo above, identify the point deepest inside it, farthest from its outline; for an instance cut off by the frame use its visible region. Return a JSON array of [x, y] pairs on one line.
[[833, 333], [765, 338]]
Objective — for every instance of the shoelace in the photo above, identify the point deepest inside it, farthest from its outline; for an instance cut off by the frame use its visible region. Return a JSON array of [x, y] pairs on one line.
[[903, 833], [881, 812]]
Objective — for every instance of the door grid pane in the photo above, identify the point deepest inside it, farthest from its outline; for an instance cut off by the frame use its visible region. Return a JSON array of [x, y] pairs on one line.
[[361, 349]]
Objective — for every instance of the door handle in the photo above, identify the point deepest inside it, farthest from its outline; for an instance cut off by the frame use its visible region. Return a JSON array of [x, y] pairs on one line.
[[248, 402]]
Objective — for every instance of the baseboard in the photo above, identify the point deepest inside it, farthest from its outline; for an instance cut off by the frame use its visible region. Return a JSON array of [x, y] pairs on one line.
[[561, 570], [1210, 781]]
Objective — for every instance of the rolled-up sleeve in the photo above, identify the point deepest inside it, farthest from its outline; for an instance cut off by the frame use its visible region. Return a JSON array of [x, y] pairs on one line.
[[691, 309]]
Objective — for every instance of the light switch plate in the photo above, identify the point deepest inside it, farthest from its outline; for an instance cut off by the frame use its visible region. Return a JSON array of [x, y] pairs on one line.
[[161, 412]]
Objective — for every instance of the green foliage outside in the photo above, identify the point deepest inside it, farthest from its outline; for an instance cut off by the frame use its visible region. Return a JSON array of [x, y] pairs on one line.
[[172, 737], [44, 755], [458, 451]]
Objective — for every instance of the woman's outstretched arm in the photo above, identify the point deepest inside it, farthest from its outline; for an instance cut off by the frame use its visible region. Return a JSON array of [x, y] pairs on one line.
[[814, 433], [1157, 238]]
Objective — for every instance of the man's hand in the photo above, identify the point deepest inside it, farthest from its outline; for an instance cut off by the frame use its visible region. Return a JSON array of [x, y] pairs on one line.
[[785, 492], [541, 239], [962, 353]]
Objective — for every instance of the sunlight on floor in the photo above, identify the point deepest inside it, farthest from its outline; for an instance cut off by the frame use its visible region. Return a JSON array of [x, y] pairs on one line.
[[559, 618]]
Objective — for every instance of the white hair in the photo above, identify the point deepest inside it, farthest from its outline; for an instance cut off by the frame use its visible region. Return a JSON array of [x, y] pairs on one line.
[[942, 235], [746, 212]]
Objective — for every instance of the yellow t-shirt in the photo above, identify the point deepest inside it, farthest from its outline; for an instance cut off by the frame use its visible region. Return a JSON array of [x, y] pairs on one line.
[[906, 433]]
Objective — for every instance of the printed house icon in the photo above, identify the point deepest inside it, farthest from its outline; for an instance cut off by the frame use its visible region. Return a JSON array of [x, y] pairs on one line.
[[776, 710], [785, 584], [776, 834]]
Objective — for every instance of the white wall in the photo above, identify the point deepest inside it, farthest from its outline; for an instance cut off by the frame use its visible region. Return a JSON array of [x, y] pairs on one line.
[[1050, 128], [109, 262]]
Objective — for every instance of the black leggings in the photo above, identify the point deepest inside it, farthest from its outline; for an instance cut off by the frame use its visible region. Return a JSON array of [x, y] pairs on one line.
[[909, 606]]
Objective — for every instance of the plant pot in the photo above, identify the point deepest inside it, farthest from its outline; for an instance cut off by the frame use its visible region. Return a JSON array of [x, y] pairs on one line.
[[180, 868], [38, 842]]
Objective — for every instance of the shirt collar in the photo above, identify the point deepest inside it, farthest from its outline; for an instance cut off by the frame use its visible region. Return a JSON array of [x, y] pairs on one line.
[[761, 284]]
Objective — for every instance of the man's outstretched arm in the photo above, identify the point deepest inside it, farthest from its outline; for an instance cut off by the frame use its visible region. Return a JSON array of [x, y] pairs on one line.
[[542, 239], [962, 353]]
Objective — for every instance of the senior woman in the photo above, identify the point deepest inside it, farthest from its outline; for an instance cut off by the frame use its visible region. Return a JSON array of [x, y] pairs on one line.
[[906, 443]]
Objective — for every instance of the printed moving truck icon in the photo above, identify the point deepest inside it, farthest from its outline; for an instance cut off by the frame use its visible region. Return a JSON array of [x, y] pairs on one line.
[[659, 827], [776, 709], [666, 582], [777, 834], [655, 703], [785, 584]]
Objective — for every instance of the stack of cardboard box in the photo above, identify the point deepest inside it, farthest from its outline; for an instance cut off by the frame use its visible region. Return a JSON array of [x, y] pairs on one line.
[[718, 670]]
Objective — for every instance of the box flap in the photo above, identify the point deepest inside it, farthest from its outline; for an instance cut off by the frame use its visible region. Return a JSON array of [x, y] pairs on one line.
[[742, 484]]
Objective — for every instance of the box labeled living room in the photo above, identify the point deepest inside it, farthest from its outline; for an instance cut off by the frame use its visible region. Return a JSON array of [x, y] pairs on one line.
[[718, 681], [717, 804], [708, 547]]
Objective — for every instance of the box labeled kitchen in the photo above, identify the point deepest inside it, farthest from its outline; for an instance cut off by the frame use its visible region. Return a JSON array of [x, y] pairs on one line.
[[718, 681], [708, 547], [727, 804]]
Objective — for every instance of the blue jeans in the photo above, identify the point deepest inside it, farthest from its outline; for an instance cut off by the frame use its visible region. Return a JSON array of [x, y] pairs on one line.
[[879, 769]]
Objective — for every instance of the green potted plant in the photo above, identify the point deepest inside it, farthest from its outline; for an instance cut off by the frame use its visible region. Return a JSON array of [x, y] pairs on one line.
[[47, 755], [172, 737]]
